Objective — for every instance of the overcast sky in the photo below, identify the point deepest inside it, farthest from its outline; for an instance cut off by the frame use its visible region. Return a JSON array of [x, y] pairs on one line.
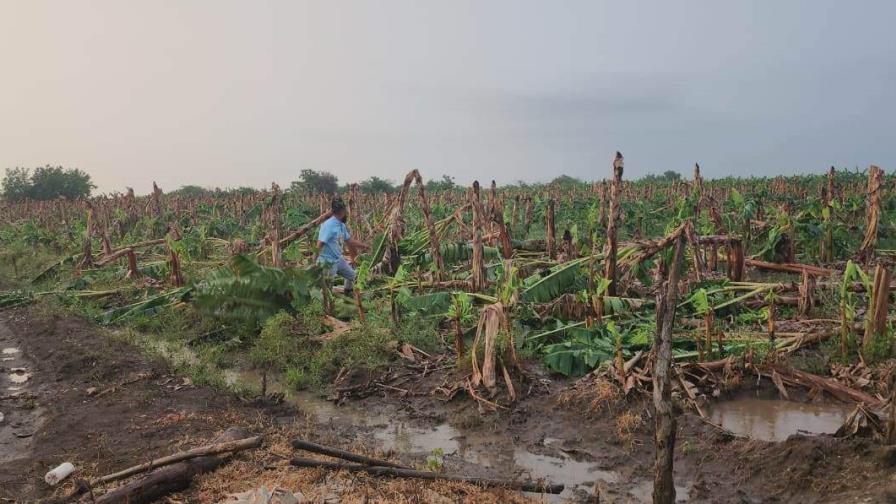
[[221, 93]]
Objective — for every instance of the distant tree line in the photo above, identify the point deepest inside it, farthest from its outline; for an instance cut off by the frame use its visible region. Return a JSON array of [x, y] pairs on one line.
[[315, 182], [46, 183], [667, 176], [50, 182]]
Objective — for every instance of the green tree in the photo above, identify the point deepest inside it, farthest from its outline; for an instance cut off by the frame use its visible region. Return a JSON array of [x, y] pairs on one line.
[[671, 175], [316, 182], [190, 190], [667, 176], [46, 183], [16, 184], [376, 185], [446, 184], [566, 181]]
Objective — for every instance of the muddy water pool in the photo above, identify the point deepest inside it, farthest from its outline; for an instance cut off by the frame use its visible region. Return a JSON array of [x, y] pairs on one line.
[[777, 419]]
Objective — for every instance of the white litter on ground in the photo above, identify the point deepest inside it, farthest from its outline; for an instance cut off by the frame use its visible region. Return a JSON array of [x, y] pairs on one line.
[[262, 495]]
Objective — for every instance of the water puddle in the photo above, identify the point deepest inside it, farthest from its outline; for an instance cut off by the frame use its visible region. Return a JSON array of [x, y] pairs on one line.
[[643, 492], [496, 451], [777, 419], [10, 351], [490, 450]]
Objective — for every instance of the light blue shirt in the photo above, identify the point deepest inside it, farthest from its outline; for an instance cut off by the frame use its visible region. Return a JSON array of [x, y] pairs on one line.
[[333, 233]]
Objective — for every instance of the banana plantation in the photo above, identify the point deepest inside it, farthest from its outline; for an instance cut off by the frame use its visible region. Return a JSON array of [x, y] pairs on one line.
[[624, 340]]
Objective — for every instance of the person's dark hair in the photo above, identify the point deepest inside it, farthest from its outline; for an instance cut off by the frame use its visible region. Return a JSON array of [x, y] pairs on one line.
[[337, 205]]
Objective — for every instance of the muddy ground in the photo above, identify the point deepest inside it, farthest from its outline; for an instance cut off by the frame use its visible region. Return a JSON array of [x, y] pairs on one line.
[[99, 403], [575, 444]]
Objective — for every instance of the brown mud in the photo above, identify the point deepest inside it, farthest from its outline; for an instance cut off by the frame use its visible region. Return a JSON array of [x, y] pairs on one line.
[[93, 401], [99, 403]]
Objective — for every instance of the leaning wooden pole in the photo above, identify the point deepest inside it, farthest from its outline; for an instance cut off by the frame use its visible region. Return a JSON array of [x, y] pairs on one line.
[[612, 241], [667, 298]]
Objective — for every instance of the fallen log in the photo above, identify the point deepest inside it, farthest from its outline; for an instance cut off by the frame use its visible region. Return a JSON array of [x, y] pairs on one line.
[[298, 233], [170, 479], [829, 385], [212, 449], [523, 486], [301, 444], [789, 267], [147, 243], [113, 256]]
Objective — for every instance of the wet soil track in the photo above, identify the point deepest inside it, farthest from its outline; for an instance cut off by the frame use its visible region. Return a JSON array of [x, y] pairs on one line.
[[139, 408]]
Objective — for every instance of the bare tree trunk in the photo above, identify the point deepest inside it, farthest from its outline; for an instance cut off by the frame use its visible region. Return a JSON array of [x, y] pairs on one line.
[[478, 262], [826, 254], [173, 260], [875, 183], [736, 261], [87, 250], [275, 229], [458, 332], [550, 231], [696, 251], [434, 244], [876, 318], [513, 212], [807, 295], [395, 230], [667, 298], [698, 186], [528, 220], [155, 201], [612, 241], [133, 272]]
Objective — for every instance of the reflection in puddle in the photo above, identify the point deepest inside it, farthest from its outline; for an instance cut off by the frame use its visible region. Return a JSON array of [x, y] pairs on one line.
[[10, 351], [644, 492], [496, 451], [777, 419]]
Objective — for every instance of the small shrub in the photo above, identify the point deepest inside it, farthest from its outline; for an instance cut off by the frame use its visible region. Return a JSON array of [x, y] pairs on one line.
[[297, 378], [627, 424]]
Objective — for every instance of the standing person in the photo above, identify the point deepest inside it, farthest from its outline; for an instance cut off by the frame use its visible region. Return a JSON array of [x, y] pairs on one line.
[[333, 234]]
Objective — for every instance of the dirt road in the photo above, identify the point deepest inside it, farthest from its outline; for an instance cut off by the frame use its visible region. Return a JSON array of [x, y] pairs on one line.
[[72, 394]]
